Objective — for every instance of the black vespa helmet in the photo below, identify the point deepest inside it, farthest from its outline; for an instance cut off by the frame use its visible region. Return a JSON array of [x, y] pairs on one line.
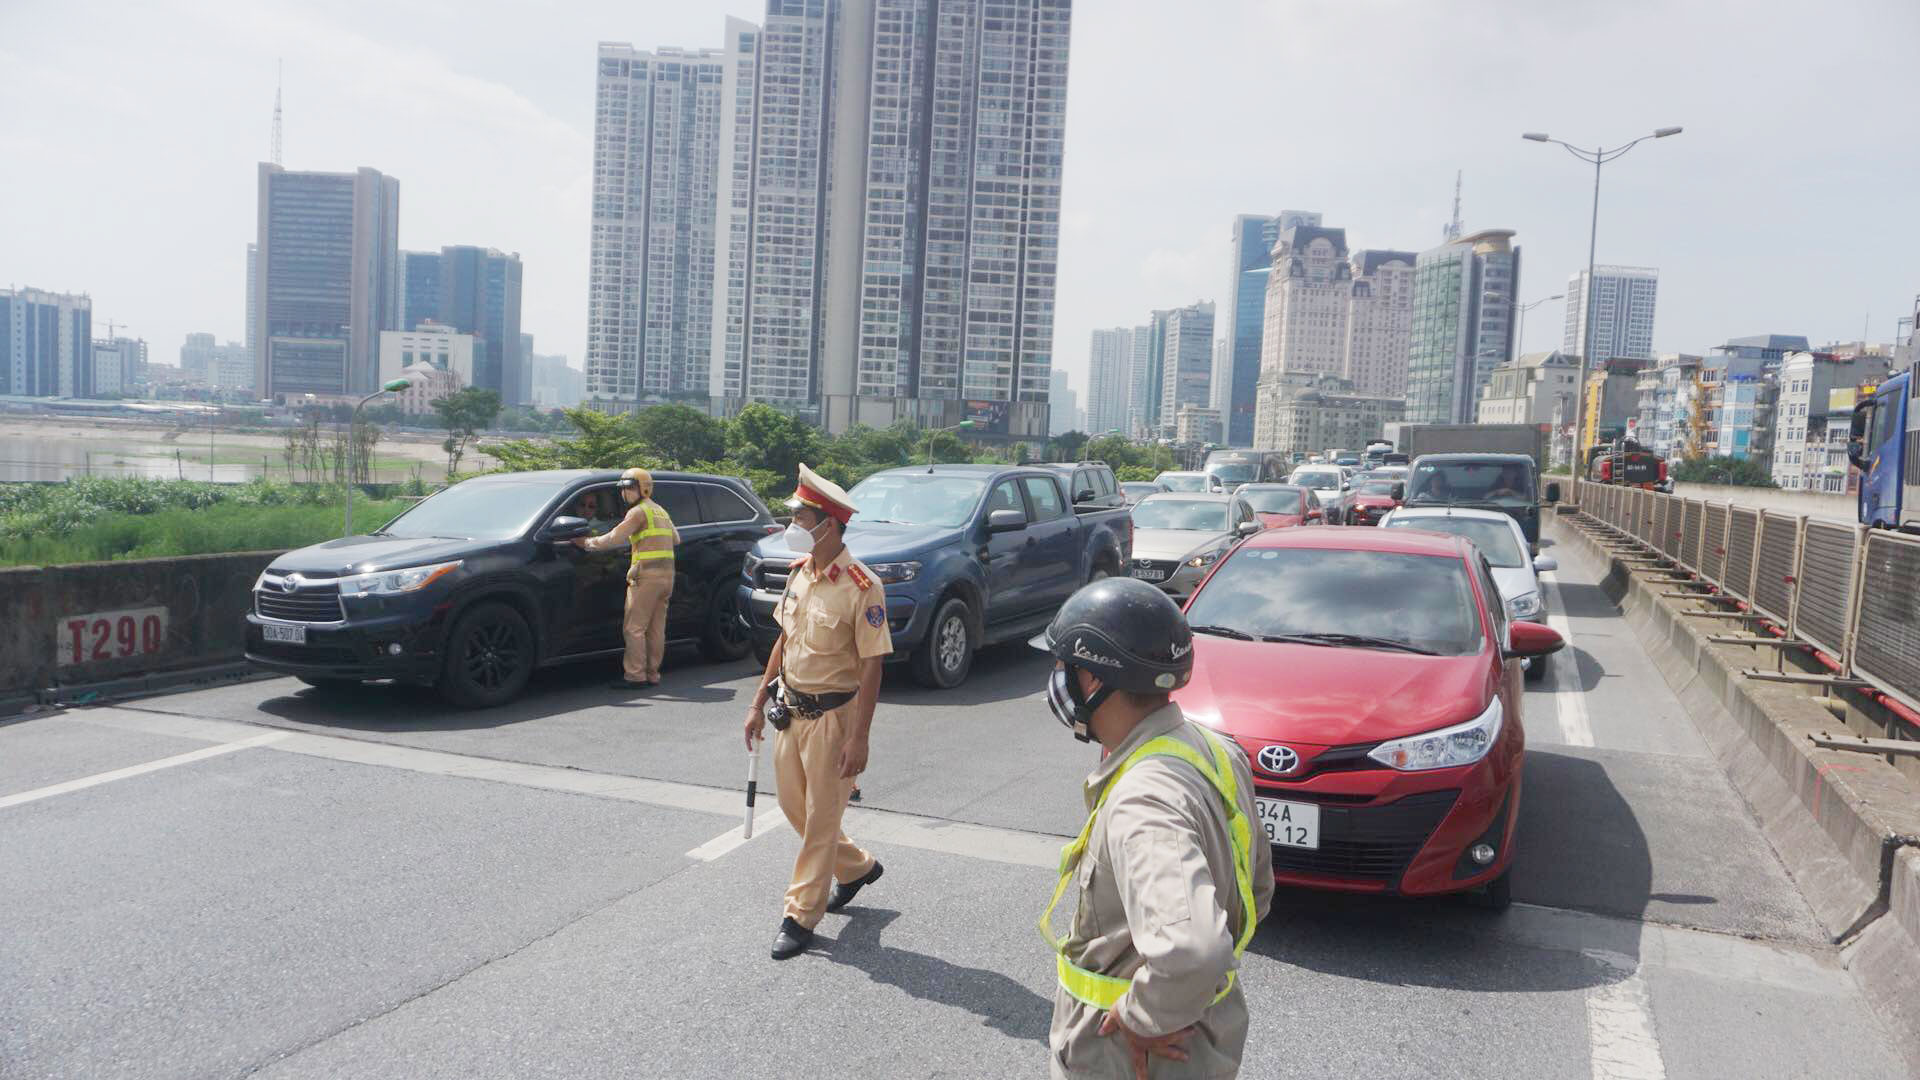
[[1127, 633]]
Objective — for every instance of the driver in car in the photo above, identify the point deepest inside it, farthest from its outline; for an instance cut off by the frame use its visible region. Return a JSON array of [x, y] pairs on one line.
[[1511, 484]]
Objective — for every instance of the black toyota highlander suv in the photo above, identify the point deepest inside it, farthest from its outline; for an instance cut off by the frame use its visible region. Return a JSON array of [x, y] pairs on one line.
[[476, 586]]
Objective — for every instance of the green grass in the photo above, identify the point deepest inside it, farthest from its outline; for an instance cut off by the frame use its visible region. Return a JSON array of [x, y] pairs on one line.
[[221, 527]]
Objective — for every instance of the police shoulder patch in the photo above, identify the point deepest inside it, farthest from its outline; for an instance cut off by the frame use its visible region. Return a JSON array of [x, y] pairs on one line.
[[860, 578], [876, 616], [833, 572]]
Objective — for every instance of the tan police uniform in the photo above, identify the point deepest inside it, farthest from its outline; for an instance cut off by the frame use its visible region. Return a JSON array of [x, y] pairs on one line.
[[1160, 906], [650, 532], [833, 617]]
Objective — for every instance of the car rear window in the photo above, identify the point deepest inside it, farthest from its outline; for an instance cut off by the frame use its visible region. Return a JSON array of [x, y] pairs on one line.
[[720, 503], [1423, 600]]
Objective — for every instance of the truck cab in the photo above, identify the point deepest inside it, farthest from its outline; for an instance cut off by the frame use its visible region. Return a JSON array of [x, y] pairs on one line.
[[1884, 446]]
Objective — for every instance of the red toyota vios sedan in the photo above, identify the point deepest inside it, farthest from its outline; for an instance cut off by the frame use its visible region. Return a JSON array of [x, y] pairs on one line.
[[1372, 677]]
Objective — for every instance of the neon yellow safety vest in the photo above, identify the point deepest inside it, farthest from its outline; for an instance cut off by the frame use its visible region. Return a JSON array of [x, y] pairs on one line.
[[1101, 991], [648, 543]]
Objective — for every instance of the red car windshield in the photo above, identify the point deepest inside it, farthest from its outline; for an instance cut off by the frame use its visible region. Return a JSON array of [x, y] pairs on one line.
[[1382, 488], [1421, 600]]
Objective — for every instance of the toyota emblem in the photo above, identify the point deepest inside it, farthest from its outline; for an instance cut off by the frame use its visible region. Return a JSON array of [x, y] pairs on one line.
[[291, 582], [1279, 760]]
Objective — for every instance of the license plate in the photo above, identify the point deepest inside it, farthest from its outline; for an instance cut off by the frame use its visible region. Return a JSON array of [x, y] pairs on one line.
[[1150, 575], [291, 635], [1290, 824]]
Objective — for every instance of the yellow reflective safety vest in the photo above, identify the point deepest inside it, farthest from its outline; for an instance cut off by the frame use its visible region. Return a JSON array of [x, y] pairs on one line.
[[656, 540], [1102, 991]]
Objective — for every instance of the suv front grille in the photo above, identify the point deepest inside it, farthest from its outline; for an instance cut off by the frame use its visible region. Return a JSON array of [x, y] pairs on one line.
[[308, 603]]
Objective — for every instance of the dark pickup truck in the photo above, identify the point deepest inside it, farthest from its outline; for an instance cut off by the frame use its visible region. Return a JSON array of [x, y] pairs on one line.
[[970, 555]]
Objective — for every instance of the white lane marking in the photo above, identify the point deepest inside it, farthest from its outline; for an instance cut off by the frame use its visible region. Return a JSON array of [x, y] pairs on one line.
[[1569, 701], [1620, 1032], [137, 770], [732, 838]]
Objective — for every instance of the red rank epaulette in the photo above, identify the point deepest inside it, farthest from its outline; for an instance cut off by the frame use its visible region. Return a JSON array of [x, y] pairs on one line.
[[833, 572], [859, 578]]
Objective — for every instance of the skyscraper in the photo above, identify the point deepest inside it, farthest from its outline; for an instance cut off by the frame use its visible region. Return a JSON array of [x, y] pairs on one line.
[[906, 210], [1143, 403], [660, 188], [1187, 363], [1462, 324], [327, 279], [1380, 323], [1623, 299], [1063, 405], [420, 273], [1309, 300], [253, 273], [733, 199], [1254, 236], [1109, 375], [46, 343], [480, 295]]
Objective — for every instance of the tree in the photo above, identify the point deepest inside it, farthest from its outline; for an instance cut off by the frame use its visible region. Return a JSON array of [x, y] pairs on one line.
[[1066, 446], [1740, 472], [763, 437], [681, 434], [602, 442], [1116, 452], [947, 447], [465, 413]]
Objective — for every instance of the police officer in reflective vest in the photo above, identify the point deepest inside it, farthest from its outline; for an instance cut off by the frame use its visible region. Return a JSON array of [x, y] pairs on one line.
[[652, 536], [819, 690], [1171, 871]]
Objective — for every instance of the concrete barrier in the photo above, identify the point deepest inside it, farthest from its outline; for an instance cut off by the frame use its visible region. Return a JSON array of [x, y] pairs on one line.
[[1814, 503], [124, 623], [1846, 825]]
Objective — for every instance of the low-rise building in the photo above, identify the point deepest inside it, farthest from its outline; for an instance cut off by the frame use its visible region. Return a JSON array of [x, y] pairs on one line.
[[1305, 413], [1674, 428], [429, 343], [1613, 396], [426, 384], [1526, 390], [1813, 414], [1196, 426]]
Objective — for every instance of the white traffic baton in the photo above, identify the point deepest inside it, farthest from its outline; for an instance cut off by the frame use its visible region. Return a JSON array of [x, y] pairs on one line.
[[753, 783]]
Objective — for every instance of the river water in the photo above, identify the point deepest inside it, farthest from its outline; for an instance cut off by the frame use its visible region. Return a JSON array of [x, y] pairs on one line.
[[35, 458]]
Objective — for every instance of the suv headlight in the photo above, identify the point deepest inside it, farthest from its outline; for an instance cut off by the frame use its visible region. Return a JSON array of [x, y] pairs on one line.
[[1461, 744], [392, 582], [1525, 606], [893, 573]]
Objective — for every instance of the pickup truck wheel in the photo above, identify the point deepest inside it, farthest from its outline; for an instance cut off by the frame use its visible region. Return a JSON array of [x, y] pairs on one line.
[[489, 657], [942, 661], [726, 636]]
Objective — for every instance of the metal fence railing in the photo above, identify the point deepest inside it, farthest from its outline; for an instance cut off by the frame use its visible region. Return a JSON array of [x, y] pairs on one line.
[[1851, 592]]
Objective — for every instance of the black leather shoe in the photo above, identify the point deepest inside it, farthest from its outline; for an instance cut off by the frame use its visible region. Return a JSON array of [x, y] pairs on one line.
[[793, 940], [844, 894]]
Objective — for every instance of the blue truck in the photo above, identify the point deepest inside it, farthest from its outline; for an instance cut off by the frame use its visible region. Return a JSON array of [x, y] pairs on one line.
[[1885, 446], [970, 555]]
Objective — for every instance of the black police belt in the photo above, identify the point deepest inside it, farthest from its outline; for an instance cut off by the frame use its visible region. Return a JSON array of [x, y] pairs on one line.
[[784, 701]]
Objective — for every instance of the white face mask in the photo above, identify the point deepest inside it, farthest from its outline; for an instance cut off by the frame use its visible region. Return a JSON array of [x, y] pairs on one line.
[[798, 539]]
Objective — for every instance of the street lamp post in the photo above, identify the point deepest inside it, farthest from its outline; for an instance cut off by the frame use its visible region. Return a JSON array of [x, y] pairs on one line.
[[1520, 321], [962, 425], [1597, 157], [353, 422]]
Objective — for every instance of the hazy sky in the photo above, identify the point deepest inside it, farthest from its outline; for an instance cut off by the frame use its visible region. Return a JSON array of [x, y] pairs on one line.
[[1791, 204]]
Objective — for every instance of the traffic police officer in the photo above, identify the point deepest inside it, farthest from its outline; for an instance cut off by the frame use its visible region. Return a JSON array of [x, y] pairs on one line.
[[1172, 871], [650, 532], [820, 685]]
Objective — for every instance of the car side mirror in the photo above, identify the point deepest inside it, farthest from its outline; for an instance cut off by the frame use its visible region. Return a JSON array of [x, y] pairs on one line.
[[1001, 521], [1532, 639], [1247, 528], [1399, 492], [1545, 564], [569, 528], [1082, 496], [1315, 514], [1857, 434], [1553, 492]]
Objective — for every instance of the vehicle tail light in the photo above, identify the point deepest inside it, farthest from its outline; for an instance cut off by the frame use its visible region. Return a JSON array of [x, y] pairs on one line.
[[771, 529]]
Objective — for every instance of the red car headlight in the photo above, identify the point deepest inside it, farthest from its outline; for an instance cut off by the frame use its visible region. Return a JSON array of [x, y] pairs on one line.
[[1461, 744]]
